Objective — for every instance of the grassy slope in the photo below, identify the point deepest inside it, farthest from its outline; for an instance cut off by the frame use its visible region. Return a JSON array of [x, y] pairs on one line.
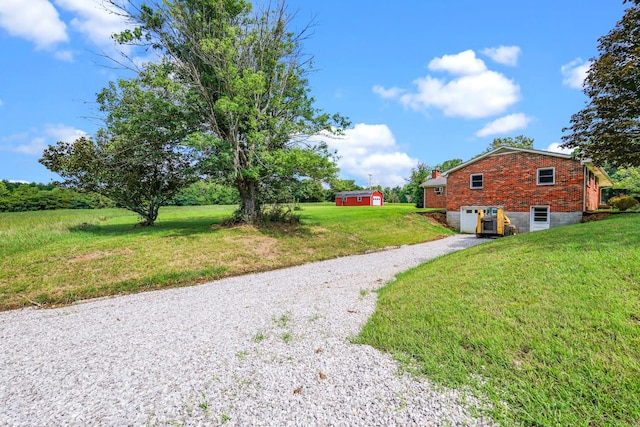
[[53, 257], [547, 322]]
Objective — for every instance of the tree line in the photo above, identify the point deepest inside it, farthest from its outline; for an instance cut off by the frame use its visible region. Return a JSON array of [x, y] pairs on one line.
[[18, 197], [22, 197]]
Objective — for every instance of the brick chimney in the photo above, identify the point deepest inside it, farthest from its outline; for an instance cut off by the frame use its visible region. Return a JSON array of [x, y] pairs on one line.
[[435, 173]]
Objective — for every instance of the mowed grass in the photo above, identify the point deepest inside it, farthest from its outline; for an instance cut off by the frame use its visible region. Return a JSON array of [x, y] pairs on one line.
[[544, 325], [58, 257]]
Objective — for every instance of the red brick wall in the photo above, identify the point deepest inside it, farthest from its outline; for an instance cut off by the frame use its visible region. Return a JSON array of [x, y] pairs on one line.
[[510, 180], [593, 192], [433, 200]]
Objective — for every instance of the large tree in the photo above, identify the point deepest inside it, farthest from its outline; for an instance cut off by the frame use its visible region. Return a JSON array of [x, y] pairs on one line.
[[337, 185], [309, 190], [249, 72], [519, 141], [627, 179], [607, 129], [419, 175], [137, 158], [448, 164]]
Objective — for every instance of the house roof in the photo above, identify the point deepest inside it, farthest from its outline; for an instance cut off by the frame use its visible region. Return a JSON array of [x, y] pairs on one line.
[[605, 180], [356, 193], [440, 181]]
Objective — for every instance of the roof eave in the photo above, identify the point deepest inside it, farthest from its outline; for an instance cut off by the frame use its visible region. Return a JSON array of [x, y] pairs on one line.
[[435, 182], [507, 149], [603, 176]]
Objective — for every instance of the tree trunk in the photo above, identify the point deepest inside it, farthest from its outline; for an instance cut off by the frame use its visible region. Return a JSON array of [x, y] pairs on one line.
[[249, 206], [150, 215]]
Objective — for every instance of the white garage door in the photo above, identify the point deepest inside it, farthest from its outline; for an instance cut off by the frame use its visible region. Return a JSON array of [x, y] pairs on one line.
[[469, 218], [377, 201]]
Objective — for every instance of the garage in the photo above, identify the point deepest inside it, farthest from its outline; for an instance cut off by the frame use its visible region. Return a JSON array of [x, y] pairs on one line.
[[469, 218]]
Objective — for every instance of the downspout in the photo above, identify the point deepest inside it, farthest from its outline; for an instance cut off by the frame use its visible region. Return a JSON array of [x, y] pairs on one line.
[[585, 177]]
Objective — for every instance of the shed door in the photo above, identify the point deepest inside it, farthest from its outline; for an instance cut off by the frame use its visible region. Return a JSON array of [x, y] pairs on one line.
[[469, 218], [377, 201], [540, 218]]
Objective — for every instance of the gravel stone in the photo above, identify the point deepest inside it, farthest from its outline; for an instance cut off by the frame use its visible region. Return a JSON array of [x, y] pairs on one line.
[[267, 349]]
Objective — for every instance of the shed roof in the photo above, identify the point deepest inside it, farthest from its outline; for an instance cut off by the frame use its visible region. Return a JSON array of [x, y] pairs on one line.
[[357, 193]]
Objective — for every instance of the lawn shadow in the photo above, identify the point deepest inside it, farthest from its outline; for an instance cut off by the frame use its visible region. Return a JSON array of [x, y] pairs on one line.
[[168, 228], [189, 227]]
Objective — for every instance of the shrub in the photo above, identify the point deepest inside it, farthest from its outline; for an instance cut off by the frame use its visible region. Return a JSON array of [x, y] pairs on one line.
[[278, 213], [623, 202]]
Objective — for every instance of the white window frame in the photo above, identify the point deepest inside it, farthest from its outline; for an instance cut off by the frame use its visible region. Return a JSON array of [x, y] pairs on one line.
[[359, 198], [437, 190], [481, 175], [539, 225], [553, 176]]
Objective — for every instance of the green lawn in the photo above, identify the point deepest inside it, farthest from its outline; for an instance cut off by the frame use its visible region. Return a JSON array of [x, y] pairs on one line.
[[544, 325], [57, 257]]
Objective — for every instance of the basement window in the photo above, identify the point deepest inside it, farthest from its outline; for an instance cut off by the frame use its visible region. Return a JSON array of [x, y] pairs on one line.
[[476, 180], [540, 214], [438, 190], [546, 176]]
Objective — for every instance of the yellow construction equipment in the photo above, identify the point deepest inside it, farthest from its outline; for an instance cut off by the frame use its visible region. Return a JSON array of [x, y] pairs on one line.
[[494, 223]]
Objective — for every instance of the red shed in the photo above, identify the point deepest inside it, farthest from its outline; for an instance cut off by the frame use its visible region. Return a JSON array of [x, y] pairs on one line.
[[360, 198]]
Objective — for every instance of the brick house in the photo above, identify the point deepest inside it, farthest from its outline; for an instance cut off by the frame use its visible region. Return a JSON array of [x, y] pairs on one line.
[[435, 191], [537, 189], [360, 198]]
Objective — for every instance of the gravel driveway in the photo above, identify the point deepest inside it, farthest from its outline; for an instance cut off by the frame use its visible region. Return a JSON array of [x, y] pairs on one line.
[[263, 349]]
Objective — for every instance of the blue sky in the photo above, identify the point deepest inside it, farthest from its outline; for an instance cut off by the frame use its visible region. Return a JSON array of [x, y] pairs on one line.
[[421, 81]]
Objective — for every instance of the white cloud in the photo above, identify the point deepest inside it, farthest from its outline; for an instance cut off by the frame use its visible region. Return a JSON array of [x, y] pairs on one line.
[[37, 21], [35, 141], [474, 92], [464, 63], [393, 92], [574, 73], [371, 149], [505, 124], [555, 147], [40, 23], [94, 18], [64, 55], [506, 55], [34, 147], [477, 96], [63, 133]]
